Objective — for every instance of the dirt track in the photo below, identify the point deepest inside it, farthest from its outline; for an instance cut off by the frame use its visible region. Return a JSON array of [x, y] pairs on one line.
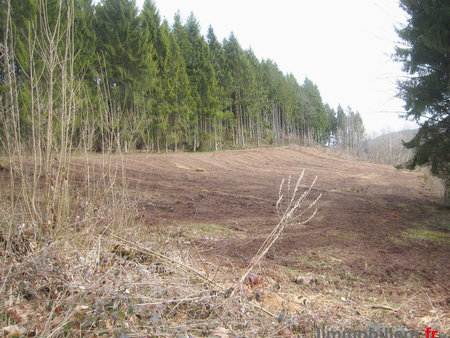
[[361, 229]]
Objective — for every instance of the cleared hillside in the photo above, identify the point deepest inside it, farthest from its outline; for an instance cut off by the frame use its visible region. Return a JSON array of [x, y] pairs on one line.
[[380, 236], [163, 256]]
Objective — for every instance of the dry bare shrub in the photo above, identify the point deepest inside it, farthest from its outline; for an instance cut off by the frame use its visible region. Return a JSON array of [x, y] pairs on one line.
[[291, 208], [106, 275], [55, 208]]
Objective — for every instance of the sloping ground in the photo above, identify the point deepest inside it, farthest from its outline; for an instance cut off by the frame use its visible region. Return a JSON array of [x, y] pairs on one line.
[[378, 249], [165, 256]]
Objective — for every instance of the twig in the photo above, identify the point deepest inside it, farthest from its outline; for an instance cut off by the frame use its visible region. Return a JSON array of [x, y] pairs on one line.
[[180, 300], [168, 260], [189, 270], [287, 216], [382, 307], [434, 309]]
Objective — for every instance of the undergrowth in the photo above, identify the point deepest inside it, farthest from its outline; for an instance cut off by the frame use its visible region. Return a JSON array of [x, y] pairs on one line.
[[103, 275]]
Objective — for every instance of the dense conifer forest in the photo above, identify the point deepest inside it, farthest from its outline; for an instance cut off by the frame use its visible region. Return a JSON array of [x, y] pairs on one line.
[[158, 87]]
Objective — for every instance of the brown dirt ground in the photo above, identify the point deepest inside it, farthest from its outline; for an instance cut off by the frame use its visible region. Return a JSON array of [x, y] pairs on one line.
[[361, 244]]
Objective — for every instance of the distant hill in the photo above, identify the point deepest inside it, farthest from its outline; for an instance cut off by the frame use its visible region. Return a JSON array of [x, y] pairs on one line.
[[388, 148]]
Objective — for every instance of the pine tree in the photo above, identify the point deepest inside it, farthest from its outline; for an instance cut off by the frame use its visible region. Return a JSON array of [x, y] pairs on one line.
[[164, 93], [217, 55], [341, 128], [179, 82], [84, 39], [202, 78], [316, 119], [235, 68], [222, 117], [274, 83], [150, 22], [121, 44], [151, 86], [256, 98], [23, 26], [332, 125], [426, 92]]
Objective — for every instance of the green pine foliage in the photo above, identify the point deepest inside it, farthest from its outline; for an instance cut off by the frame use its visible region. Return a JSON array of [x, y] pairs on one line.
[[426, 57], [122, 45], [25, 19], [158, 87]]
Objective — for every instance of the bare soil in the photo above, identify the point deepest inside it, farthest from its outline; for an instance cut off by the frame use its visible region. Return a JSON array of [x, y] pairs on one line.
[[379, 246]]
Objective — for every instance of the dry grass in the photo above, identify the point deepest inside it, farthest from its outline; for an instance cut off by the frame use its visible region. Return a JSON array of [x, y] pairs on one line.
[[104, 275]]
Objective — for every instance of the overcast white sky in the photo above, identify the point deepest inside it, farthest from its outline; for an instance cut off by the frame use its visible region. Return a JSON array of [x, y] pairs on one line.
[[344, 46]]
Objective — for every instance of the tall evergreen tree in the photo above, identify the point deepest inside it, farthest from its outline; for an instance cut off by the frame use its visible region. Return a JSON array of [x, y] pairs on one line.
[[236, 67], [22, 28], [222, 117], [164, 91], [331, 129], [426, 57], [202, 78], [316, 120], [84, 39], [152, 87], [181, 114], [273, 82], [217, 55], [256, 99], [122, 45], [341, 128], [150, 21]]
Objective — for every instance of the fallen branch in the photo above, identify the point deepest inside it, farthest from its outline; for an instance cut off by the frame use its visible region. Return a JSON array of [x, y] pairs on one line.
[[382, 307]]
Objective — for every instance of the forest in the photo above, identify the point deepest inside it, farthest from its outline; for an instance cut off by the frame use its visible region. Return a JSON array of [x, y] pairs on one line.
[[138, 83]]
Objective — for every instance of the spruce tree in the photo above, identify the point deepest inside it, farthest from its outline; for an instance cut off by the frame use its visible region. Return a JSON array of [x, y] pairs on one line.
[[86, 61], [331, 130], [151, 86], [121, 43], [181, 94], [426, 57], [202, 77], [235, 69], [22, 28], [314, 112]]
